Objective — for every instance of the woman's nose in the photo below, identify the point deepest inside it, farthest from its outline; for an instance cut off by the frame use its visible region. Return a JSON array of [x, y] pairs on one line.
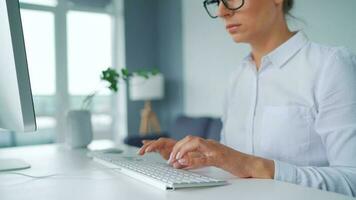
[[222, 10]]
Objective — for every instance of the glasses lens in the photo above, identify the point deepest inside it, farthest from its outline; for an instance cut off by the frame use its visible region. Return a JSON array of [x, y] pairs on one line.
[[212, 7], [233, 4]]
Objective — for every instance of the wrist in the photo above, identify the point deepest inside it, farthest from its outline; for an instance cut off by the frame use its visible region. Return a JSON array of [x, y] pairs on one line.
[[237, 163], [223, 158], [247, 166], [262, 168]]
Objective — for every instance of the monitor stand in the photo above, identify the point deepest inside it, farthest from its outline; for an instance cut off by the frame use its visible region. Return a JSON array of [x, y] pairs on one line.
[[13, 164]]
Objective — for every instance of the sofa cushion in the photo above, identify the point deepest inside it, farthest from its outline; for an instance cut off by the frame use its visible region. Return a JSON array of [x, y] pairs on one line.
[[214, 129], [184, 126]]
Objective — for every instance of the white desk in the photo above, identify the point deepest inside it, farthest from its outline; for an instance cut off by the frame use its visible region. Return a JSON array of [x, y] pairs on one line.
[[81, 178]]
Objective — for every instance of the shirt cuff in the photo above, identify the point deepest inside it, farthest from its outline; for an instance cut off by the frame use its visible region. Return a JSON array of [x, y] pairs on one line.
[[285, 172]]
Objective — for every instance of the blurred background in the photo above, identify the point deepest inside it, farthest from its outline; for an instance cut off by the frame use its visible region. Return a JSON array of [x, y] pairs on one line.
[[69, 42]]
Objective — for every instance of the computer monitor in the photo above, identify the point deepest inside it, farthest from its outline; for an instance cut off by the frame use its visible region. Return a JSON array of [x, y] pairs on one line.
[[16, 103]]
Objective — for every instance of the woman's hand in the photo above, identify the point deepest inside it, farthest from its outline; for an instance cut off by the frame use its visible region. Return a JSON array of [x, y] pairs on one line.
[[163, 145], [194, 152]]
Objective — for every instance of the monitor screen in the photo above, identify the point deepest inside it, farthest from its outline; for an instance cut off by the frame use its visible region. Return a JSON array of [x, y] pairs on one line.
[[16, 103]]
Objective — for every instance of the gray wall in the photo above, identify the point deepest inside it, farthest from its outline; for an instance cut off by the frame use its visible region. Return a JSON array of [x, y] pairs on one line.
[[153, 39], [209, 55], [170, 59], [327, 21]]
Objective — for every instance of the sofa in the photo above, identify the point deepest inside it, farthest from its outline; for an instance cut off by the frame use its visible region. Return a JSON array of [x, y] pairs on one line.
[[205, 127]]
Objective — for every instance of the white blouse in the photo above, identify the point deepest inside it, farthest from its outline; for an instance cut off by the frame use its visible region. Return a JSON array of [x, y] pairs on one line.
[[299, 110]]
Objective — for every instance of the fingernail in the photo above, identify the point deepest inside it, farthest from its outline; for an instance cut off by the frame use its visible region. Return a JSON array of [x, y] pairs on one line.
[[178, 156], [148, 149], [183, 161]]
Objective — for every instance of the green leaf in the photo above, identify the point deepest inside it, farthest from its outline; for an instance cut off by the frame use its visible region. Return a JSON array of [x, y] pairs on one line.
[[155, 71], [112, 77]]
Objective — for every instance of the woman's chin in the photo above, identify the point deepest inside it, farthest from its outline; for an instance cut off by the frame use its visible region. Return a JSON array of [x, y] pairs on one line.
[[237, 39]]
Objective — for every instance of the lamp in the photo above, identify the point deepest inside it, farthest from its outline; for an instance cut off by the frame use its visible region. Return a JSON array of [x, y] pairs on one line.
[[142, 89]]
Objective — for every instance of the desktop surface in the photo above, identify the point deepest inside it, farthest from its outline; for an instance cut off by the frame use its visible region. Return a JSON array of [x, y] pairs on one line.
[[75, 176]]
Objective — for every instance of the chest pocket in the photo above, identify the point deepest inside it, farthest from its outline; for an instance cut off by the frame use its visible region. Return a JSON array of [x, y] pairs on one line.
[[285, 133]]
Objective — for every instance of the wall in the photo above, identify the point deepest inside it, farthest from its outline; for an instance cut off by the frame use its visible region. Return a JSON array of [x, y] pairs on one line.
[[153, 39], [170, 60], [328, 22], [140, 26], [210, 55]]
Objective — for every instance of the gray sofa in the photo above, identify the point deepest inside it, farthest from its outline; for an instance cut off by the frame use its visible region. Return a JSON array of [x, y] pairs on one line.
[[205, 127]]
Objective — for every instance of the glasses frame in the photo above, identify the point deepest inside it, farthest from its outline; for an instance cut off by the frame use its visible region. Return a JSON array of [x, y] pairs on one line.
[[225, 4]]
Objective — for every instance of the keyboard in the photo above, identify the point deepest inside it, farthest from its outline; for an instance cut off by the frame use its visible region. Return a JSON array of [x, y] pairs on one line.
[[156, 173]]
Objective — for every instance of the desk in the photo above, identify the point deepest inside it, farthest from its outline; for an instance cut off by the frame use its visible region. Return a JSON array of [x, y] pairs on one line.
[[78, 177]]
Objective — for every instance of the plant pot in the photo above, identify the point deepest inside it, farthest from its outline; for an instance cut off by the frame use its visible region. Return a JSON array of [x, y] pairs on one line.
[[79, 129]]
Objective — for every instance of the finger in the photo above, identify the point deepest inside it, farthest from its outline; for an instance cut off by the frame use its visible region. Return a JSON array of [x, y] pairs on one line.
[[158, 145], [175, 150], [184, 162], [190, 146], [177, 165], [193, 160], [195, 163], [145, 141], [144, 147], [145, 144]]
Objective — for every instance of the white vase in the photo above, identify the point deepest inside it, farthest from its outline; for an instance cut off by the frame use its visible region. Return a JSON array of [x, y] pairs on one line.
[[79, 129]]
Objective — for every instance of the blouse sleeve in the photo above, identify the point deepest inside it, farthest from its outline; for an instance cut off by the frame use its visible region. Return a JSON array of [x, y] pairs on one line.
[[336, 125]]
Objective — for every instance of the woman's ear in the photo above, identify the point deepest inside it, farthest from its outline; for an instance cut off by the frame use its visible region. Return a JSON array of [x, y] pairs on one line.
[[278, 2]]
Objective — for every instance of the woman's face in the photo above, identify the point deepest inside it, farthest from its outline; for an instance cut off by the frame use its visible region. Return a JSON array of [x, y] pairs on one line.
[[254, 20]]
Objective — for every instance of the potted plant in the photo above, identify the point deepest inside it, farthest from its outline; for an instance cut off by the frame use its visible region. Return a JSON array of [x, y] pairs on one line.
[[112, 78], [79, 128]]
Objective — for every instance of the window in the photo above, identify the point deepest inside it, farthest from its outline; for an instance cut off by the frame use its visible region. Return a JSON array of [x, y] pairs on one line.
[[92, 30], [90, 52]]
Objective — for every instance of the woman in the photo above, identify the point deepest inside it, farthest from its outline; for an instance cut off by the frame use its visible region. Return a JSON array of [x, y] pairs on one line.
[[290, 111]]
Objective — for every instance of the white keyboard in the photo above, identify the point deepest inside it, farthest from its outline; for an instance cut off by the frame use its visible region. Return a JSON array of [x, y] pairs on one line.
[[156, 173]]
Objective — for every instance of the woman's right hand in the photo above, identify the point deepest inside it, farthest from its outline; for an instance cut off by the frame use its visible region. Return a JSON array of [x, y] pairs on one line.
[[163, 145]]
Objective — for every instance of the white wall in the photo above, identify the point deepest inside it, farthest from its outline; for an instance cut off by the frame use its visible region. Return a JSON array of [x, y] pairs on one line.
[[209, 55]]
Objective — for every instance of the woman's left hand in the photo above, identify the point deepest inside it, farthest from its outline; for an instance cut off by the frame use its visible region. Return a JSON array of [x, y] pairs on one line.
[[195, 152]]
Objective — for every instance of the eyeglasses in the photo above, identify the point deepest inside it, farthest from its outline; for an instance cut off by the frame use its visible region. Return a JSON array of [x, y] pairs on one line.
[[212, 6]]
